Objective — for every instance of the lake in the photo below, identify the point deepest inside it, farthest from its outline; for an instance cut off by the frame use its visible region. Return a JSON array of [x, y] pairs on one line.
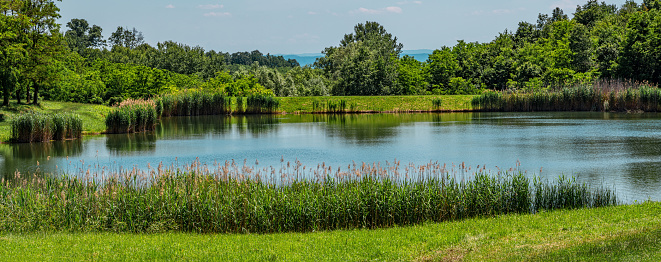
[[611, 149]]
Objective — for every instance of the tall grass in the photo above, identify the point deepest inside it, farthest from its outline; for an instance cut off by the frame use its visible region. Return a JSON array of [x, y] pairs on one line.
[[336, 106], [580, 98], [437, 103], [132, 116], [193, 103], [261, 104], [34, 127], [233, 198]]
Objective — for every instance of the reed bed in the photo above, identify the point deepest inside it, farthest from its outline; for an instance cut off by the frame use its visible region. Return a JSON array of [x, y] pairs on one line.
[[580, 98], [261, 104], [132, 116], [234, 198], [35, 127], [193, 103]]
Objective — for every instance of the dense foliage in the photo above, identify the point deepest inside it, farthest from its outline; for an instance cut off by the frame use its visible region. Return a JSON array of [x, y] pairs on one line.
[[600, 42]]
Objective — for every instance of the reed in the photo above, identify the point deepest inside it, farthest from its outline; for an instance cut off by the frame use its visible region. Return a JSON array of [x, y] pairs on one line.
[[437, 103], [579, 98], [132, 116], [336, 106], [193, 103], [261, 104], [35, 127], [240, 108], [234, 198]]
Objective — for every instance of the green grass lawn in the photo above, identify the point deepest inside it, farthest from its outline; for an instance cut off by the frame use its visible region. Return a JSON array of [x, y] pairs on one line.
[[630, 233], [93, 116], [379, 103]]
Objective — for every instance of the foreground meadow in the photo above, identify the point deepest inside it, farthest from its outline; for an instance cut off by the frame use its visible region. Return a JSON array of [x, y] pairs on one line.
[[620, 233]]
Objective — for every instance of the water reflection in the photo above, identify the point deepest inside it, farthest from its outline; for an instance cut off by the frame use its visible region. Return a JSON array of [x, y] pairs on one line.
[[128, 143], [30, 157]]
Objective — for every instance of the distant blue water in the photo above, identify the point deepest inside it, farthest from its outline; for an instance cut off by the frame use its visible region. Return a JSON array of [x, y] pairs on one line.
[[309, 59]]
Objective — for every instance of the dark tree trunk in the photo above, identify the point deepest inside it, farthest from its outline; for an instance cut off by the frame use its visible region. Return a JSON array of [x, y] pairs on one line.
[[35, 101], [18, 95]]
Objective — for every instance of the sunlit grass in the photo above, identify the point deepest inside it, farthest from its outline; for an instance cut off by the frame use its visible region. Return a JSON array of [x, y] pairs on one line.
[[400, 104], [620, 233]]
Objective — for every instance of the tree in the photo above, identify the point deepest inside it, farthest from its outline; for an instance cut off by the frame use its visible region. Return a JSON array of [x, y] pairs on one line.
[[365, 62], [126, 38], [81, 36], [592, 12], [411, 76], [12, 44], [44, 42], [442, 65]]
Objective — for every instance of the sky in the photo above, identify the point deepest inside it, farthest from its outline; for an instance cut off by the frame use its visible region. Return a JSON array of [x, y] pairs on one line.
[[308, 26]]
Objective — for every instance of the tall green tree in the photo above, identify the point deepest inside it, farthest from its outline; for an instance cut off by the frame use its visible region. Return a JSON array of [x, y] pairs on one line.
[[13, 42], [126, 38], [365, 62], [44, 43], [81, 36]]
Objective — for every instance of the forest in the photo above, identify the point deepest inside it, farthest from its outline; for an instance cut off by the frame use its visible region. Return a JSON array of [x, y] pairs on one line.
[[41, 59]]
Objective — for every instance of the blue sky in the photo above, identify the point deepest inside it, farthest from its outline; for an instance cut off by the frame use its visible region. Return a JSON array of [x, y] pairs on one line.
[[307, 26]]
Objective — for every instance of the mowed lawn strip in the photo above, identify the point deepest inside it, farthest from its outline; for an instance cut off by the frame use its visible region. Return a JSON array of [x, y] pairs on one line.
[[378, 103], [630, 232]]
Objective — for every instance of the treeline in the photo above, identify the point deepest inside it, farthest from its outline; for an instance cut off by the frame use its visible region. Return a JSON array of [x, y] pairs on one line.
[[601, 42]]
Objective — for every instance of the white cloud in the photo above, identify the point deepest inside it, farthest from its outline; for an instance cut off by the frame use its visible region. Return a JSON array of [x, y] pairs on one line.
[[394, 9], [409, 2], [169, 6], [312, 13], [218, 14], [390, 9], [208, 7]]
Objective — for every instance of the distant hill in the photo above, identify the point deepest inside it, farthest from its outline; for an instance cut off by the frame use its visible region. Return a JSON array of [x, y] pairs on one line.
[[309, 58]]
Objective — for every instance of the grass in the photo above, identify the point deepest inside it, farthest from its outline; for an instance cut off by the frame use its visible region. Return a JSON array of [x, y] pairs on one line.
[[132, 116], [599, 97], [193, 103], [233, 198], [92, 116], [620, 233], [400, 104]]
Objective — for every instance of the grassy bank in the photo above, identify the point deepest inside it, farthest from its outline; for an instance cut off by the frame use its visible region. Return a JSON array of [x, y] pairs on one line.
[[377, 103], [630, 233], [93, 116]]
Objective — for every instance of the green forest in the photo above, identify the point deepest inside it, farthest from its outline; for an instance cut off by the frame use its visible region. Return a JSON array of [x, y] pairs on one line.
[[41, 59]]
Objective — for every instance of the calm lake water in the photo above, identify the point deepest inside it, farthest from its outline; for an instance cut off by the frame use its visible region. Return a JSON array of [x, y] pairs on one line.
[[610, 149]]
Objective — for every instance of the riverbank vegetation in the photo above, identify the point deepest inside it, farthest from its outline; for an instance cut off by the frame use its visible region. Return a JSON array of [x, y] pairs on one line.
[[132, 116], [234, 198], [35, 127], [627, 232], [604, 97]]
